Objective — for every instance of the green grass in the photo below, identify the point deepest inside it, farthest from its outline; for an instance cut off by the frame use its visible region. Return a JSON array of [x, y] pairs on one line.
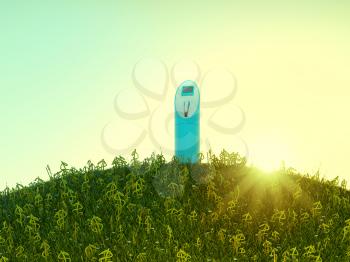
[[153, 210]]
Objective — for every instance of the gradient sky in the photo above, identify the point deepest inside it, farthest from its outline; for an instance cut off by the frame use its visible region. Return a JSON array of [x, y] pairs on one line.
[[63, 62]]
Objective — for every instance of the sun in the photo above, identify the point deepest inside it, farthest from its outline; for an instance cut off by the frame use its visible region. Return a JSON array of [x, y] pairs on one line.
[[267, 161], [269, 154]]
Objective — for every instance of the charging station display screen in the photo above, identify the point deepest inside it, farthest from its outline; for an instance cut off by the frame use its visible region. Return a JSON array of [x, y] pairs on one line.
[[187, 91]]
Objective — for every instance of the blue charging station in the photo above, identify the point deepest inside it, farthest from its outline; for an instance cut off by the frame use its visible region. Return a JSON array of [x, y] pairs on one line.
[[187, 113]]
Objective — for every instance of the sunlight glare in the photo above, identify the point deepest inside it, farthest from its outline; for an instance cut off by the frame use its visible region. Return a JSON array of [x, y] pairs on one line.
[[268, 155]]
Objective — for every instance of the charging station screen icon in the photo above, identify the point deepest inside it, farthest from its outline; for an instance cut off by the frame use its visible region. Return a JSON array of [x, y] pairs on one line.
[[187, 91]]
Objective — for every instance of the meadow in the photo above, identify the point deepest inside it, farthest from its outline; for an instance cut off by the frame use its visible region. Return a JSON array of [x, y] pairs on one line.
[[154, 210]]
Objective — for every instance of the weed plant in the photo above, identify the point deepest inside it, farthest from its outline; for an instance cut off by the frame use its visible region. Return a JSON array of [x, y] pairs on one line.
[[154, 210]]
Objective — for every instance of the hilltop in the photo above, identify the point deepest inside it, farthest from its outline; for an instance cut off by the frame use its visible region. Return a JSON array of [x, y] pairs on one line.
[[154, 210]]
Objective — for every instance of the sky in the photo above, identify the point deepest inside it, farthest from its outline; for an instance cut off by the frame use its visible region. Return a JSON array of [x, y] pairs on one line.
[[66, 74]]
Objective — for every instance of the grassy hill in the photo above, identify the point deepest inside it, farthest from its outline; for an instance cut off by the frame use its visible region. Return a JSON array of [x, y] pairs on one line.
[[153, 210]]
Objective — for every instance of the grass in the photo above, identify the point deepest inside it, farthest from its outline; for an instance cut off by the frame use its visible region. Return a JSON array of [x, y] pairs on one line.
[[153, 210]]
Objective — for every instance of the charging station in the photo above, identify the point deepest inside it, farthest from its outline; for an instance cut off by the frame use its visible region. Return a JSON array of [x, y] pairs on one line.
[[187, 114]]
